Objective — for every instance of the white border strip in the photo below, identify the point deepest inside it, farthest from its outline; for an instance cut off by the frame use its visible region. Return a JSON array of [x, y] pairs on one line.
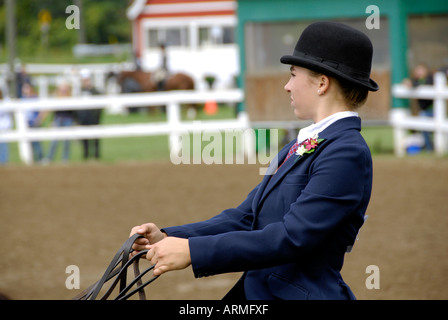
[[190, 7]]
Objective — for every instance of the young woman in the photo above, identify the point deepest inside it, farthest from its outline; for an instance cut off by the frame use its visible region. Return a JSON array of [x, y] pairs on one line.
[[291, 233]]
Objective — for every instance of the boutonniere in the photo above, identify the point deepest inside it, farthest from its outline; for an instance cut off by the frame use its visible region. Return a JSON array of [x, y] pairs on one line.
[[308, 146]]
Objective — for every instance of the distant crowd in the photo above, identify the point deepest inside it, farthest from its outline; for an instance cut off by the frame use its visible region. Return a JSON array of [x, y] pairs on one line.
[[60, 118]]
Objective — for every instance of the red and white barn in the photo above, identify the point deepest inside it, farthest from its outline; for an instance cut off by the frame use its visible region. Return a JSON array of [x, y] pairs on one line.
[[199, 36]]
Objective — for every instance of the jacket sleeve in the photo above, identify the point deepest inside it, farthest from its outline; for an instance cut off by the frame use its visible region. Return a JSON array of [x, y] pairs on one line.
[[339, 180], [239, 218]]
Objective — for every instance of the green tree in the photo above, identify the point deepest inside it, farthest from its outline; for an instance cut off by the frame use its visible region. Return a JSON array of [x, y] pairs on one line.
[[104, 21]]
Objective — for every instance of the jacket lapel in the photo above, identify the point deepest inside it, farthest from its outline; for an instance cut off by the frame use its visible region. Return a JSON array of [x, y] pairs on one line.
[[274, 176], [282, 171], [270, 173]]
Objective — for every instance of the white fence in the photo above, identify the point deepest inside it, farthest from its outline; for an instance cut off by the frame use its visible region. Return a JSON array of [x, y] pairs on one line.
[[49, 74], [402, 121], [172, 127]]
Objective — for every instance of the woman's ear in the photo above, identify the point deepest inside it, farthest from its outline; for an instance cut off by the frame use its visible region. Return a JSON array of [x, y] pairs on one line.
[[323, 84]]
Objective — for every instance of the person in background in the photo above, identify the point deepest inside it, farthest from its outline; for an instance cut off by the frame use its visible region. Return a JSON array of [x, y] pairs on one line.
[[91, 147], [62, 118], [444, 70], [22, 77], [35, 119], [421, 75], [5, 124], [161, 74]]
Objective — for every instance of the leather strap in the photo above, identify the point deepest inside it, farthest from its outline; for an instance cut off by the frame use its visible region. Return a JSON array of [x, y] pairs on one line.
[[119, 274]]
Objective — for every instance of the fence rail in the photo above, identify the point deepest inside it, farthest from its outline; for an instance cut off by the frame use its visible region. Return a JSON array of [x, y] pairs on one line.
[[172, 127], [402, 120]]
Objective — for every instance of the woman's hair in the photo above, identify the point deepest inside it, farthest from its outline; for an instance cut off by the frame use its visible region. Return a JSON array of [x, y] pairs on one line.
[[353, 96]]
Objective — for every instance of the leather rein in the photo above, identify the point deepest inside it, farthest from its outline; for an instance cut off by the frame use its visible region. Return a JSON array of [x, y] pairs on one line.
[[116, 272]]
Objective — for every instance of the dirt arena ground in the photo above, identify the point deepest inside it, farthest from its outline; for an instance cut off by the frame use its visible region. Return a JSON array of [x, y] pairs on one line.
[[56, 216]]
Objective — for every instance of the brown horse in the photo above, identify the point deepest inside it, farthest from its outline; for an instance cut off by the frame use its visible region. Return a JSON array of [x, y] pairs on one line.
[[141, 81]]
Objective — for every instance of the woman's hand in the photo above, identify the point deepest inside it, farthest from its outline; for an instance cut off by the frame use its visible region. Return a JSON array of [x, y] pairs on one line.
[[151, 234], [166, 253], [169, 254]]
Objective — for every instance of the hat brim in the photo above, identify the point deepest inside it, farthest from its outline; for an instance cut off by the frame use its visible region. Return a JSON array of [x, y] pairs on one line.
[[325, 69]]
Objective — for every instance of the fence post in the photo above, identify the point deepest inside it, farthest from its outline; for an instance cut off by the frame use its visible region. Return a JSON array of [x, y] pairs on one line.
[[75, 82], [439, 113], [173, 117], [249, 142], [43, 87], [99, 80], [25, 151], [398, 115]]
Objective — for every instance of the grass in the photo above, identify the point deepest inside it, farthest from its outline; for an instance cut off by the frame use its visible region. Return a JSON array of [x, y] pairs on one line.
[[155, 148], [379, 139], [64, 56]]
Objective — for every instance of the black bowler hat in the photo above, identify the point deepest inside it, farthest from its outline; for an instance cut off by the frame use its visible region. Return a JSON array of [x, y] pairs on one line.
[[336, 50]]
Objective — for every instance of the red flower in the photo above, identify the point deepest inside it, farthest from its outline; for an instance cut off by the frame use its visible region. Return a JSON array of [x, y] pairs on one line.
[[308, 146], [310, 143]]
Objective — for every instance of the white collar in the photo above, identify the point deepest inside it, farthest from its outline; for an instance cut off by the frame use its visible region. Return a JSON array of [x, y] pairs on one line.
[[320, 126]]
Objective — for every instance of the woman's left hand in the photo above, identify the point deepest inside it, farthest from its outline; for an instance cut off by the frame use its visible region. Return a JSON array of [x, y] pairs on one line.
[[169, 254]]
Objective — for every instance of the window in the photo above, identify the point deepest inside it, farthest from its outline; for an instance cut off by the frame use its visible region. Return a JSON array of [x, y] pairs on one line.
[[216, 35], [176, 37], [228, 35]]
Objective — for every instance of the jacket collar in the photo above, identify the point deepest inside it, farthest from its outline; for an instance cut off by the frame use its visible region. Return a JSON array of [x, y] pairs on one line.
[[320, 126]]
